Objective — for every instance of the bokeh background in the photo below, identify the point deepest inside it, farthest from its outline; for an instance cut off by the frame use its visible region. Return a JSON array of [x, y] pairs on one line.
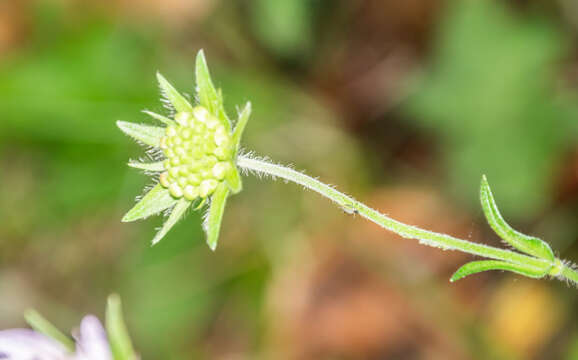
[[403, 103]]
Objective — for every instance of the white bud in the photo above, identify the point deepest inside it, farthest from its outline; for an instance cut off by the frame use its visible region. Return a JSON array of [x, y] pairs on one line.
[[174, 172], [220, 139], [212, 123], [221, 153], [183, 118], [180, 151], [194, 179], [182, 181], [164, 179], [201, 114], [175, 190], [169, 153], [220, 169], [171, 131], [191, 192], [207, 187], [186, 133]]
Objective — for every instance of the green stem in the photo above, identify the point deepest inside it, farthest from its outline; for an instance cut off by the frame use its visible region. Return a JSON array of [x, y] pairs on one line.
[[569, 274], [350, 205]]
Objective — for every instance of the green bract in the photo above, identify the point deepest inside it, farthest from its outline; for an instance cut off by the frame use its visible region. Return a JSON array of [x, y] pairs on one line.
[[198, 153]]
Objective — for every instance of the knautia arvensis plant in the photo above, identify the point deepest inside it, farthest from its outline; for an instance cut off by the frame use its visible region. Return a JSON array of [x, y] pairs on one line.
[[199, 163]]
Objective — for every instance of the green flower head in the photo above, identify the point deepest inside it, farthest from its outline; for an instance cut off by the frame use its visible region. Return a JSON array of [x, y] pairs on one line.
[[197, 152]]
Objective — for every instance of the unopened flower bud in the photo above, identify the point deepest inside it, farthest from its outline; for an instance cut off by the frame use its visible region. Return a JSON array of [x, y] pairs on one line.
[[198, 152]]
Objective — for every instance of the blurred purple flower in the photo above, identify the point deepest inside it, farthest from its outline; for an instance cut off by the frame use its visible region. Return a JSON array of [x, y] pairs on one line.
[[25, 344]]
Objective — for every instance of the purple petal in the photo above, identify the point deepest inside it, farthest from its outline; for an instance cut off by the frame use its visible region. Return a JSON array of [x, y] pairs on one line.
[[25, 344], [93, 343]]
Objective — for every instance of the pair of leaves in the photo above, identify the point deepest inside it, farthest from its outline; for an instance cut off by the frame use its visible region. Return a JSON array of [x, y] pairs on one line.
[[530, 245]]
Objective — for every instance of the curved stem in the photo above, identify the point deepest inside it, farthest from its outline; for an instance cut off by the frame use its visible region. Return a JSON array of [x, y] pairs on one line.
[[350, 205]]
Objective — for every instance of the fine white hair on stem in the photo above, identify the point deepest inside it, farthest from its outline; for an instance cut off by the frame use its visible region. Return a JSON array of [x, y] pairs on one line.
[[249, 156], [249, 163]]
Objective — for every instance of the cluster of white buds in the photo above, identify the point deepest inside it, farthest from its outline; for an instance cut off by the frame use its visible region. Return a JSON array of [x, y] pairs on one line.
[[198, 151]]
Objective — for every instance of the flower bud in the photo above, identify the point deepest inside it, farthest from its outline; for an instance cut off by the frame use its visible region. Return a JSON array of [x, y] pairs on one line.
[[199, 154]]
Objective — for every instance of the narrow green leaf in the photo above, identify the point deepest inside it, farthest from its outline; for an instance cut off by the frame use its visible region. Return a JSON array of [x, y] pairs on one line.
[[161, 118], [118, 337], [209, 96], [155, 201], [173, 96], [475, 267], [176, 214], [212, 224], [528, 244], [43, 326], [149, 135], [241, 124], [155, 166]]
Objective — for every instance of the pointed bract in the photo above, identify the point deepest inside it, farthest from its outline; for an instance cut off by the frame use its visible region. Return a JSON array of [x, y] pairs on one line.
[[155, 201], [148, 135], [475, 267], [163, 119], [527, 244], [234, 182], [209, 96], [118, 337], [173, 96], [212, 224], [155, 166], [240, 126], [176, 214]]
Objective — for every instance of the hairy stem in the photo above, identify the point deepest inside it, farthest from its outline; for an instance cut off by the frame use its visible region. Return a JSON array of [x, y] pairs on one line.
[[439, 240], [569, 274]]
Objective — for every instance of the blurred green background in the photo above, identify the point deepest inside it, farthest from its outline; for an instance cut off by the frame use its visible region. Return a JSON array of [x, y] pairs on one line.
[[404, 104]]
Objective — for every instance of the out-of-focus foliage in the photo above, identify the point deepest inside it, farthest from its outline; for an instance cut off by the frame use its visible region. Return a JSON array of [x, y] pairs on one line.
[[80, 75], [492, 96], [524, 301], [284, 26]]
